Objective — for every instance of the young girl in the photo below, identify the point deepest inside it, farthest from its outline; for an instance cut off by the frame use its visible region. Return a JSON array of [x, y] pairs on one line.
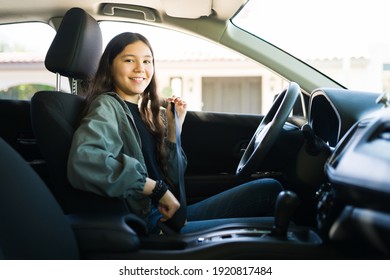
[[125, 146]]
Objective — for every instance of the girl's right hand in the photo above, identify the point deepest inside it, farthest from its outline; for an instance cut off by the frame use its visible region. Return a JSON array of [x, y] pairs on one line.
[[168, 205]]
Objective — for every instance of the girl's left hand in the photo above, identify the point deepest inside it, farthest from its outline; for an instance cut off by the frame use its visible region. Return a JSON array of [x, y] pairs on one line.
[[181, 109]]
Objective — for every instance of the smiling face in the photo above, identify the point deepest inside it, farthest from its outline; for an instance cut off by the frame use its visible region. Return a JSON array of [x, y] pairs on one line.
[[132, 71]]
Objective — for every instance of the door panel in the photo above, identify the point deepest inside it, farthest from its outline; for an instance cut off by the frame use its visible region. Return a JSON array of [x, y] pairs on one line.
[[213, 143]]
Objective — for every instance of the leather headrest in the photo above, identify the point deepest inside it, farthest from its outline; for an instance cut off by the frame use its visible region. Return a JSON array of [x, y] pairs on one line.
[[76, 49]]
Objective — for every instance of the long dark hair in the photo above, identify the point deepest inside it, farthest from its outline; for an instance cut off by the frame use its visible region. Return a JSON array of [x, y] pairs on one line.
[[150, 102]]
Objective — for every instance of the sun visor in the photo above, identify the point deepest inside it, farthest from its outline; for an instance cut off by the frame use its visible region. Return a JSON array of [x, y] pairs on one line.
[[187, 9]]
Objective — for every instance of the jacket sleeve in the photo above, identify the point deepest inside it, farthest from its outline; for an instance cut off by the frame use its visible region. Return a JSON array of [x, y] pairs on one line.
[[96, 160]]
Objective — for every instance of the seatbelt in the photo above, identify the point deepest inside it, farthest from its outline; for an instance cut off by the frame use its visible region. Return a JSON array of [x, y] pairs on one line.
[[175, 224]]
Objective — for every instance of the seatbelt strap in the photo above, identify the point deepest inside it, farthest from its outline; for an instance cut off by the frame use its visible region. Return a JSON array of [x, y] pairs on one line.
[[180, 218]]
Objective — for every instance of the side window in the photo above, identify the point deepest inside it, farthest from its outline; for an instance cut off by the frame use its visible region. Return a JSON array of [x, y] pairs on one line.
[[23, 47], [209, 77]]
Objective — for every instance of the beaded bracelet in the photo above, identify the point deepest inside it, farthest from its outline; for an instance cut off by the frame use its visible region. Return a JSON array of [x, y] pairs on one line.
[[159, 190]]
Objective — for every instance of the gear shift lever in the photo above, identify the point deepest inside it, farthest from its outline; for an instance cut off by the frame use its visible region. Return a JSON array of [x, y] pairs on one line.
[[286, 204]]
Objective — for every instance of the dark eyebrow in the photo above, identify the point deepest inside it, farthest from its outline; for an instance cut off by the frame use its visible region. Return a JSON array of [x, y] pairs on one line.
[[132, 55]]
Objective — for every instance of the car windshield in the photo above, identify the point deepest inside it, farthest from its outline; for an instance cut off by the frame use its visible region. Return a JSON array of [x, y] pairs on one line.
[[345, 40]]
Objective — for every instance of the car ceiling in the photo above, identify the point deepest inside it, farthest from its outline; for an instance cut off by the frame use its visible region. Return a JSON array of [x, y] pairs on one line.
[[43, 10]]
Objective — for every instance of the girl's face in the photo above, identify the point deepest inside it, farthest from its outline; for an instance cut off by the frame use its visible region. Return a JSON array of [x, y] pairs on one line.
[[132, 71]]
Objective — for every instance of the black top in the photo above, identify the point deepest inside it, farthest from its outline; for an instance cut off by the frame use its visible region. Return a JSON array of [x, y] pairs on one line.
[[148, 144]]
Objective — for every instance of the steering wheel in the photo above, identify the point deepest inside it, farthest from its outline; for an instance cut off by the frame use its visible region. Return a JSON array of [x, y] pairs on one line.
[[268, 130]]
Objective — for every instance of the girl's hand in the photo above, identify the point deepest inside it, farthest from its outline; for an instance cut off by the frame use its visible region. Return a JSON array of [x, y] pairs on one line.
[[168, 205], [181, 109]]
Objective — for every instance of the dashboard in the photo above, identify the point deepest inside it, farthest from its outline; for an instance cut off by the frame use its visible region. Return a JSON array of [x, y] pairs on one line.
[[361, 163], [332, 112], [353, 205]]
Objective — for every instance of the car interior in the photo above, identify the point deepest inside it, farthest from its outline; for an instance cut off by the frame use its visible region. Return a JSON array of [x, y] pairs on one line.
[[335, 170]]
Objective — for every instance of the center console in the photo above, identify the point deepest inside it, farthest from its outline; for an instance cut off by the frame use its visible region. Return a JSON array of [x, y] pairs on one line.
[[271, 238]]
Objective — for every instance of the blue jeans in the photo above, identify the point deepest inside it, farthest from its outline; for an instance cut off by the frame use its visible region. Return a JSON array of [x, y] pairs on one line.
[[246, 202]]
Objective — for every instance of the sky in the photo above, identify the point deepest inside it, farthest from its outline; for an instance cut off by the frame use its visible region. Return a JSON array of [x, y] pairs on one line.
[[318, 29]]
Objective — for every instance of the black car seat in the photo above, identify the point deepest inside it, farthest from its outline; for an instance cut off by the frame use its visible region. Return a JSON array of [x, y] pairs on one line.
[[74, 53], [33, 225]]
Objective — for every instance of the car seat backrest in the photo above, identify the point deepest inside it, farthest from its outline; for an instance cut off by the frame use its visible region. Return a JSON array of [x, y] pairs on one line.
[[33, 226], [75, 53], [16, 130]]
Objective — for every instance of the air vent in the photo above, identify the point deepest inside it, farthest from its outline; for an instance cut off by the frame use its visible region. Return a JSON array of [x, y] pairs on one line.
[[381, 133], [385, 134]]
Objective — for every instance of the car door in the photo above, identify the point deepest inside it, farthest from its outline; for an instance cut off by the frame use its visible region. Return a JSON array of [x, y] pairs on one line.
[[213, 143]]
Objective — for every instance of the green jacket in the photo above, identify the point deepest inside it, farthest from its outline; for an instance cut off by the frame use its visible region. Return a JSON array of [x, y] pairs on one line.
[[106, 157]]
